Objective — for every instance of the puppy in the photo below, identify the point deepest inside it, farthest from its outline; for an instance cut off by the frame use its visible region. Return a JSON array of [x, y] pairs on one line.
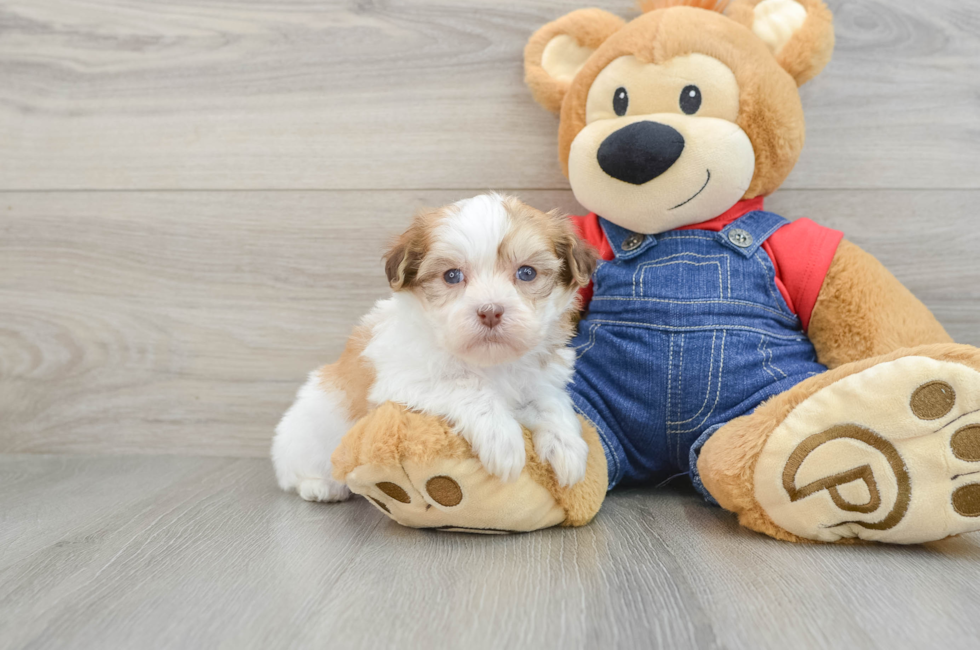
[[485, 294]]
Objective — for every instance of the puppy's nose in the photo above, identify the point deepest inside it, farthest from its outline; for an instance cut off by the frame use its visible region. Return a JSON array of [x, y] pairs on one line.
[[490, 315], [640, 152]]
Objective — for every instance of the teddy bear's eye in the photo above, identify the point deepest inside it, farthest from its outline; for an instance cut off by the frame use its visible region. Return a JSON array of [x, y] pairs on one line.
[[690, 99], [621, 101]]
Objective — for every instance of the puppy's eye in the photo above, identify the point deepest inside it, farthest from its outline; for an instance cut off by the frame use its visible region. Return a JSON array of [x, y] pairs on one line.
[[621, 101], [526, 273], [690, 99], [453, 276]]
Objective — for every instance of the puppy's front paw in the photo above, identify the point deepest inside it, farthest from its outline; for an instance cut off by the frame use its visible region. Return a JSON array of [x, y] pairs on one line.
[[322, 489], [566, 452], [500, 445]]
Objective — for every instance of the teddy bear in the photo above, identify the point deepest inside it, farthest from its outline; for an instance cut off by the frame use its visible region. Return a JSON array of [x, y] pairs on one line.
[[796, 382]]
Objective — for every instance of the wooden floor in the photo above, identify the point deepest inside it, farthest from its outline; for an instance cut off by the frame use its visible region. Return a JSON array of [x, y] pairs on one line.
[[167, 552], [194, 197]]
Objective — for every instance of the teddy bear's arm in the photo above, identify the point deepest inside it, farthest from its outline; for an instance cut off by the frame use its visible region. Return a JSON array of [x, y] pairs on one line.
[[863, 311]]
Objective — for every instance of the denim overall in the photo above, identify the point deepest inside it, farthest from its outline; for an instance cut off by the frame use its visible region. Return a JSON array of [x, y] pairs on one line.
[[686, 331]]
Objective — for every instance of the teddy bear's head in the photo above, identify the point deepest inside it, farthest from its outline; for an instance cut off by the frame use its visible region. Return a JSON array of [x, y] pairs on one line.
[[672, 118]]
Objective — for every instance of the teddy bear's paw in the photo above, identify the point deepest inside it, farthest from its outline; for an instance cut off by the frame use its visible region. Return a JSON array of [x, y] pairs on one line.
[[322, 489], [456, 495], [890, 454], [568, 454]]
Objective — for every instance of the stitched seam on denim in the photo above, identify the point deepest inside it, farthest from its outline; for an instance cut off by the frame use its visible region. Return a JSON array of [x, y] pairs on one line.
[[747, 303], [663, 262], [762, 353], [650, 265], [778, 297], [680, 391], [602, 435], [766, 236], [684, 254], [670, 374], [770, 279], [680, 375], [772, 365], [728, 268], [700, 328], [588, 345], [707, 393], [686, 237], [622, 256], [721, 367]]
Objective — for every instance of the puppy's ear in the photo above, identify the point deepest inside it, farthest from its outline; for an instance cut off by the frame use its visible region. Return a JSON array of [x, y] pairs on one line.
[[579, 257], [799, 33], [404, 257], [557, 51]]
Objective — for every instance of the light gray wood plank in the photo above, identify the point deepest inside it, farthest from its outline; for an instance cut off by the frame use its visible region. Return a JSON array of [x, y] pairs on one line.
[[245, 94], [183, 322], [165, 552]]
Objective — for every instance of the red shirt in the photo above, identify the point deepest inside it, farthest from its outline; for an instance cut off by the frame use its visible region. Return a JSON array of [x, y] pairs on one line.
[[800, 251]]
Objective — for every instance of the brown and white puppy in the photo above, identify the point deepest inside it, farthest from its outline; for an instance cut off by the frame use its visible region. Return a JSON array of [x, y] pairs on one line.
[[476, 330]]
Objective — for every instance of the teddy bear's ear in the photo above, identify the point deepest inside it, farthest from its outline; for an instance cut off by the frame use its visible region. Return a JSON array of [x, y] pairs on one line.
[[799, 33], [557, 51]]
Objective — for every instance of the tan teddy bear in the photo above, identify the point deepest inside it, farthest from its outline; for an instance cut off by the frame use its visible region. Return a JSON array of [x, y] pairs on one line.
[[795, 380]]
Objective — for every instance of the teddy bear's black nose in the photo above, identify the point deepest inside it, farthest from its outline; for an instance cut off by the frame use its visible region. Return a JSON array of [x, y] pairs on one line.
[[640, 152]]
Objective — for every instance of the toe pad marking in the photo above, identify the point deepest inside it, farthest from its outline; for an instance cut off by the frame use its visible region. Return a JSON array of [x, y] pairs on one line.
[[380, 505], [932, 400], [394, 491], [966, 443], [966, 500], [444, 491]]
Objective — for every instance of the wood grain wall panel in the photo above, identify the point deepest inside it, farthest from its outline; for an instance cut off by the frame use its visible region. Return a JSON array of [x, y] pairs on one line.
[[183, 322], [405, 94]]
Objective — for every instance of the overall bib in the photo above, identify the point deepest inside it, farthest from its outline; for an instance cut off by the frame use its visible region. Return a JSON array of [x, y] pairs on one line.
[[686, 330]]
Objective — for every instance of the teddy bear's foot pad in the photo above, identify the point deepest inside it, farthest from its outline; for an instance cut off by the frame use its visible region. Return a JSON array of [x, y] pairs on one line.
[[889, 454], [455, 495], [417, 471]]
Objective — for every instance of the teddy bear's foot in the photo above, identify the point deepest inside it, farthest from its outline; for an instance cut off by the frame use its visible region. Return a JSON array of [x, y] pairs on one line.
[[417, 471], [888, 452]]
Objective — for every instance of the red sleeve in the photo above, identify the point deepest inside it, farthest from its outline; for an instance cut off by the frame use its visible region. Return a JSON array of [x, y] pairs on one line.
[[802, 252], [588, 229]]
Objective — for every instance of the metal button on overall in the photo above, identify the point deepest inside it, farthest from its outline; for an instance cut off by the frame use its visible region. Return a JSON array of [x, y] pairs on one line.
[[740, 237], [632, 242]]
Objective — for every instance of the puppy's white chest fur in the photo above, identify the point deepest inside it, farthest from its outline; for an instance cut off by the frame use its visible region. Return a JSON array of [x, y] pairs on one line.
[[486, 405]]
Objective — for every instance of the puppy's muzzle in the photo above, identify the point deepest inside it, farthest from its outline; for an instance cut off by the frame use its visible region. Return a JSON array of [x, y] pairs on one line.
[[640, 152], [490, 315]]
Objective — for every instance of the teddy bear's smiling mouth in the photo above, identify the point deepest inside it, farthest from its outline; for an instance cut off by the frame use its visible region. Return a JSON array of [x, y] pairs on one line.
[[706, 181]]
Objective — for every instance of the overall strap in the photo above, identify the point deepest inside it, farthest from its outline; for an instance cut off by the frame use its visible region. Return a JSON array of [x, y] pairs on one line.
[[747, 233], [626, 244]]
